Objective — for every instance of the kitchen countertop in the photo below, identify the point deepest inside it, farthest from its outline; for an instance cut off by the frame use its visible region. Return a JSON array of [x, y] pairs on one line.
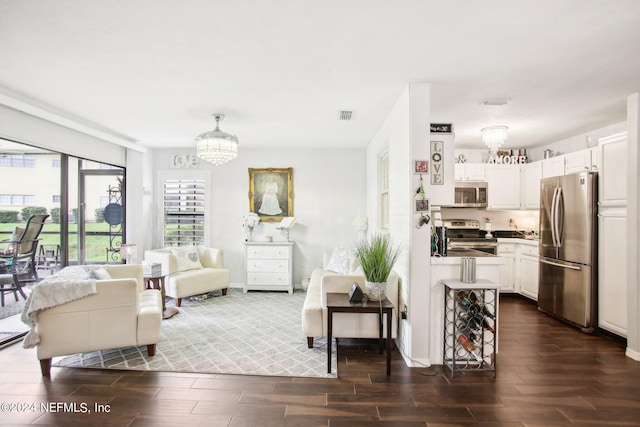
[[520, 240]]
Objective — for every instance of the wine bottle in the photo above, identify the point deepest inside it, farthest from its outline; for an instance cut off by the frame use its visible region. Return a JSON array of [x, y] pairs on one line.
[[465, 302], [485, 310], [468, 333], [470, 347], [488, 326]]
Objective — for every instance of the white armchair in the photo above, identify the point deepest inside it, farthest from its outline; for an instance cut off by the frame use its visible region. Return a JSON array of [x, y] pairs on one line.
[[121, 314]]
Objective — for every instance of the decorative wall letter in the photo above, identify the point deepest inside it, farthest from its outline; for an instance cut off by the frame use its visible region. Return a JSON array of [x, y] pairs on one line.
[[179, 161], [437, 163]]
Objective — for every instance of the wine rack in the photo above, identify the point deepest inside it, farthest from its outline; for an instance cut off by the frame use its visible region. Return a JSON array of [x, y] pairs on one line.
[[470, 326]]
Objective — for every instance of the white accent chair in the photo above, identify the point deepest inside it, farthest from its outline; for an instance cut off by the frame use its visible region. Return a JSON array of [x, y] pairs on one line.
[[122, 314], [179, 284]]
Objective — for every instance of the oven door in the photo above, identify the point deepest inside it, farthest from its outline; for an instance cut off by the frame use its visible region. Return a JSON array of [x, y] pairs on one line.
[[488, 247]]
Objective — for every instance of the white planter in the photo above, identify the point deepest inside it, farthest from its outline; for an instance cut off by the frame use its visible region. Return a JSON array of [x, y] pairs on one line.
[[375, 291]]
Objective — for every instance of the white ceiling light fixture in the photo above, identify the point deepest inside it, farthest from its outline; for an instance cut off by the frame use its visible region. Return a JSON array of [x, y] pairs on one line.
[[494, 137], [215, 146]]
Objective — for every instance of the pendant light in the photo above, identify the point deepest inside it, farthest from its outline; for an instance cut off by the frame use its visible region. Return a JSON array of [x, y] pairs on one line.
[[215, 146]]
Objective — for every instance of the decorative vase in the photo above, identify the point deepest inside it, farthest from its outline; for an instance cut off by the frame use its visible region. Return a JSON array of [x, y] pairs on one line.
[[376, 291]]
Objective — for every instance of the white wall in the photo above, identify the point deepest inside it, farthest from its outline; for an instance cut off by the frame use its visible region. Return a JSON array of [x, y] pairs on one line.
[[329, 191], [393, 137], [405, 134]]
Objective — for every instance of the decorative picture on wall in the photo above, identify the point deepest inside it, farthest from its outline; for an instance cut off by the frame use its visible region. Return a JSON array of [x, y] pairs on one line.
[[421, 166], [421, 205], [271, 193]]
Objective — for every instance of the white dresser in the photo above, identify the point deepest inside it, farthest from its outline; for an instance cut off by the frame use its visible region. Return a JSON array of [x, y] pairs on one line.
[[269, 266]]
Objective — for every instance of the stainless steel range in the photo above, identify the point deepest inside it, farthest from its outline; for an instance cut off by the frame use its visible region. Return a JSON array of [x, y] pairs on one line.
[[464, 234]]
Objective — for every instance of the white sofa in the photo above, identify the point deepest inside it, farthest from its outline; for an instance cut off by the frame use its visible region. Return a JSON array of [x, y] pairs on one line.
[[345, 325], [210, 276], [122, 314]]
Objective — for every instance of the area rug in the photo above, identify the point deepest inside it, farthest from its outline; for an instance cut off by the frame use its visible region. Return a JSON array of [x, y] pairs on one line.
[[257, 333], [10, 337]]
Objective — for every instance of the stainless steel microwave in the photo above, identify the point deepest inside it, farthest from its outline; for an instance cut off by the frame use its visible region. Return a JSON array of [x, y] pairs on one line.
[[470, 194]]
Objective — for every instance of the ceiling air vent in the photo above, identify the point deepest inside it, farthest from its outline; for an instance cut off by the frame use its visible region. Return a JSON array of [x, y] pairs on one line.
[[345, 115]]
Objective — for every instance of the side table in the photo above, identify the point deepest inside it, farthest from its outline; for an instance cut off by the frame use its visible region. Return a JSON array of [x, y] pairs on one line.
[[156, 281], [339, 303]]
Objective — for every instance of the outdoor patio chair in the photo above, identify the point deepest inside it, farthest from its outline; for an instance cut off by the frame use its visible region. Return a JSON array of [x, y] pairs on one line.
[[18, 258]]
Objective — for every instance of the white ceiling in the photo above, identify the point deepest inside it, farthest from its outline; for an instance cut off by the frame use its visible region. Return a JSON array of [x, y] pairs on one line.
[[153, 71]]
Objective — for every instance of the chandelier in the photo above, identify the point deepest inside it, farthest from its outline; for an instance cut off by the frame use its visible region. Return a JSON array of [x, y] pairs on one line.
[[216, 146], [494, 137]]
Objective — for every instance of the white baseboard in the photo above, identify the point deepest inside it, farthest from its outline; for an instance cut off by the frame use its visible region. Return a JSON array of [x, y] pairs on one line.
[[632, 354]]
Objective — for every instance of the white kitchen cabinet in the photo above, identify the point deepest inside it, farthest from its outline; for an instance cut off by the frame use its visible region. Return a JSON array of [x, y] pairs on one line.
[[612, 271], [470, 172], [269, 266], [577, 161], [612, 177], [503, 182], [507, 270], [612, 234], [527, 271], [553, 166], [531, 174]]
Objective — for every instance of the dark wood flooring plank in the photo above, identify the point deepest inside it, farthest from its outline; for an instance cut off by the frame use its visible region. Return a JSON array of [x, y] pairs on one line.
[[548, 374]]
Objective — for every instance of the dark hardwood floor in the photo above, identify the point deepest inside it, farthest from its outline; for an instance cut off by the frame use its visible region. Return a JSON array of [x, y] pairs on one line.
[[547, 374]]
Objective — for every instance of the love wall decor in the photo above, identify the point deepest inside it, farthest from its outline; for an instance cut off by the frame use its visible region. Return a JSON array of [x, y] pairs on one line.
[[437, 163]]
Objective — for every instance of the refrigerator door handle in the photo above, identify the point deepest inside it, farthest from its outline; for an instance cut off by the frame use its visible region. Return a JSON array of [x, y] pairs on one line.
[[560, 217], [557, 264], [553, 215]]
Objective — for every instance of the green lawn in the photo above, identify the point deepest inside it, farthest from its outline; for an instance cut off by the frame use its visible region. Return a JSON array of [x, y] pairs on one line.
[[50, 235]]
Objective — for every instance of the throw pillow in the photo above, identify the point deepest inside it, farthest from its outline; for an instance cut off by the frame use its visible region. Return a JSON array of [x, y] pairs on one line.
[[187, 257], [342, 261], [101, 274]]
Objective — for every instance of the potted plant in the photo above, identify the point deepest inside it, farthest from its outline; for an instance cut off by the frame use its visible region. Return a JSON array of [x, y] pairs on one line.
[[377, 257]]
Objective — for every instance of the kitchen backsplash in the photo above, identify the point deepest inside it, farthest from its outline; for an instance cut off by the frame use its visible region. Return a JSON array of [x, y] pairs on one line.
[[501, 220]]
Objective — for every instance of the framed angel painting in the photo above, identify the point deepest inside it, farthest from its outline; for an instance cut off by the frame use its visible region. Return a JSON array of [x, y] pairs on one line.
[[271, 193]]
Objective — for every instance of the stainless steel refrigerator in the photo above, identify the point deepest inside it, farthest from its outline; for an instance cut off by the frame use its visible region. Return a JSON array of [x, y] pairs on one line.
[[567, 286]]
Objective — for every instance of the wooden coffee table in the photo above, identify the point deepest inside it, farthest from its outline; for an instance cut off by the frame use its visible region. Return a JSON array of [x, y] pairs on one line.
[[156, 281], [339, 303]]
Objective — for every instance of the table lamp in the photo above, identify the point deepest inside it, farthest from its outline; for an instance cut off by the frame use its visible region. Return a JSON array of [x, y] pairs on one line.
[[128, 252]]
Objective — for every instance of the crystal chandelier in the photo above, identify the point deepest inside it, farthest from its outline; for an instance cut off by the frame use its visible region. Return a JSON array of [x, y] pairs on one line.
[[494, 137], [216, 146]]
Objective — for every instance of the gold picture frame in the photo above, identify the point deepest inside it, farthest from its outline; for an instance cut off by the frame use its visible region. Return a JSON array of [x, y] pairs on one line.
[[271, 193]]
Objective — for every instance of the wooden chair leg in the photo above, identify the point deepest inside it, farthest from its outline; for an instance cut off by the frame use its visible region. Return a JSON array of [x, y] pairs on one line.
[[45, 367], [224, 291], [151, 350], [179, 302], [310, 342]]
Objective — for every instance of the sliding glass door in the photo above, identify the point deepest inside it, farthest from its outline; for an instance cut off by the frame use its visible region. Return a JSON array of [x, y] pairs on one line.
[[101, 213]]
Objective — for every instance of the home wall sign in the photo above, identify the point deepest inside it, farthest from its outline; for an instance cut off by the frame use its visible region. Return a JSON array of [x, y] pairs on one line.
[[437, 163], [181, 161], [508, 160], [441, 128]]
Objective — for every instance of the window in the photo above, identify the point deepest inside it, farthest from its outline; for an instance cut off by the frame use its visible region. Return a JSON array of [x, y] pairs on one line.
[[18, 161], [55, 163], [17, 199], [56, 198], [383, 173], [183, 206]]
